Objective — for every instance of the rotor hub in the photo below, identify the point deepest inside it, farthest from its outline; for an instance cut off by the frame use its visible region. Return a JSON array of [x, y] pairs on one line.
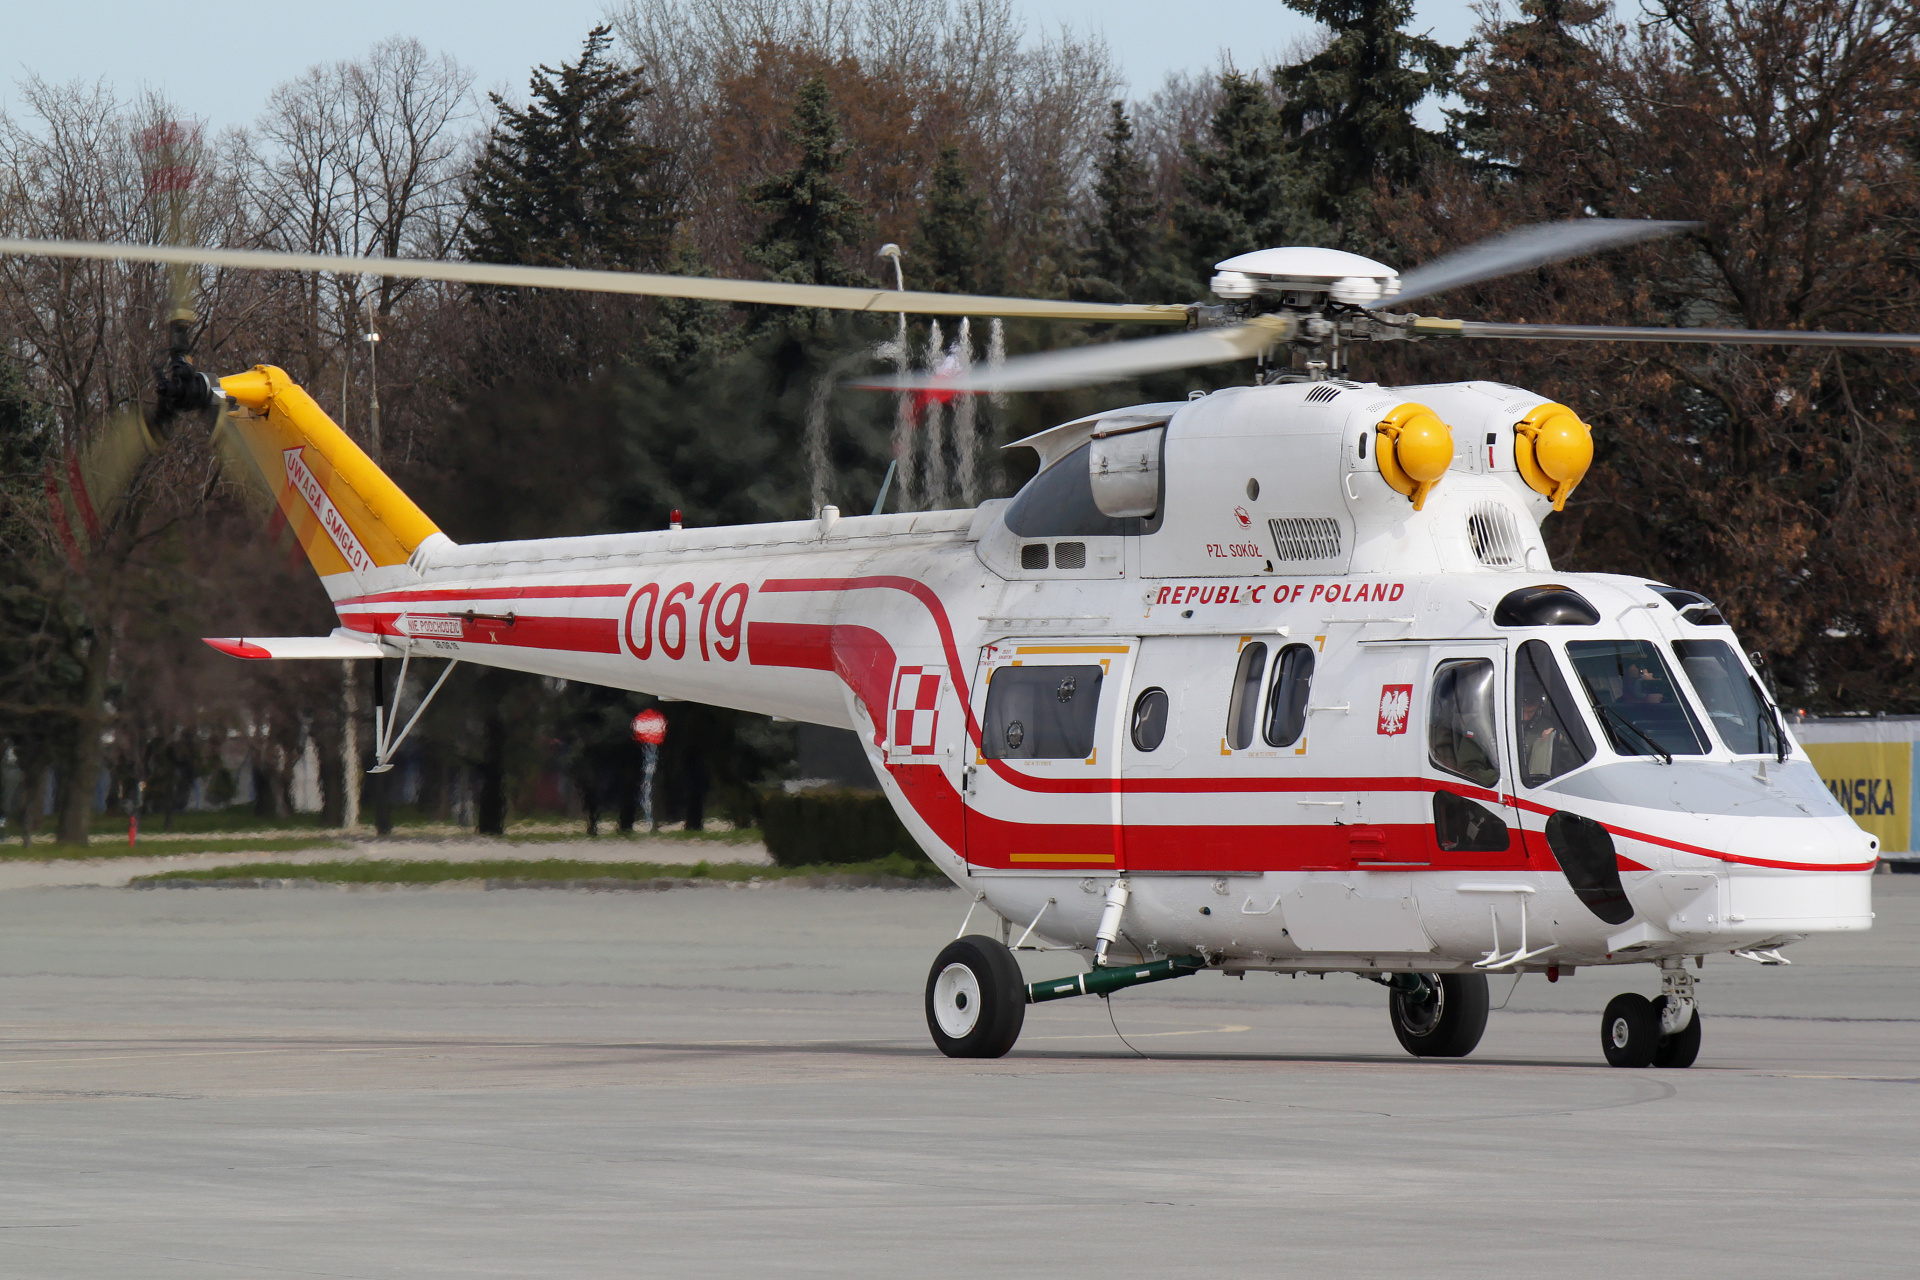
[[1304, 278]]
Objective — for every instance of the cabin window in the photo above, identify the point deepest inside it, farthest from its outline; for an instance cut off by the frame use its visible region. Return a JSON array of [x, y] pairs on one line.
[[1041, 713], [1287, 699], [1243, 709], [1740, 715], [1150, 720], [1033, 556], [1070, 555], [1634, 699], [1461, 738], [1058, 503], [1553, 737]]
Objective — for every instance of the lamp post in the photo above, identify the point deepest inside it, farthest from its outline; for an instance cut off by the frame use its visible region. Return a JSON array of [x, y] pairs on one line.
[[372, 337]]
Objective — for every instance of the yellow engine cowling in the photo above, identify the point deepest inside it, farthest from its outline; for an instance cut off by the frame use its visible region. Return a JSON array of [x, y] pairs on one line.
[[1415, 449], [1553, 449]]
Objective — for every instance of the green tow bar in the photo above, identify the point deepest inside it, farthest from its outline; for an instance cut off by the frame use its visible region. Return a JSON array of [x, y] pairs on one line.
[[1114, 977]]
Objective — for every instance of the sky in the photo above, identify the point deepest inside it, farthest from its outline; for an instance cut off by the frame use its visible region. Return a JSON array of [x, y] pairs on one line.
[[219, 58]]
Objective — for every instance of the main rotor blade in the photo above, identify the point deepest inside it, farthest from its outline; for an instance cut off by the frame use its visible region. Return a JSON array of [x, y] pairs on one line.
[[772, 293], [1628, 333], [1528, 247], [1107, 362]]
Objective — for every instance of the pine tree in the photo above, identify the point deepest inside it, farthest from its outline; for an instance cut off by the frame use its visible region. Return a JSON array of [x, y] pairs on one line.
[[1526, 91], [1125, 236], [1348, 110], [687, 334], [1243, 191], [569, 181], [958, 252], [812, 221]]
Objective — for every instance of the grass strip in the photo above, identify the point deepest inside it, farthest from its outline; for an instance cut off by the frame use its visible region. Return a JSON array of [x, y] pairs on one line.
[[531, 871], [573, 834], [167, 849]]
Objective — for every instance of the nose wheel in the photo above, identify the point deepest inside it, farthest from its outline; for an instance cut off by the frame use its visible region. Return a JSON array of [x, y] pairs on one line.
[[1662, 1032]]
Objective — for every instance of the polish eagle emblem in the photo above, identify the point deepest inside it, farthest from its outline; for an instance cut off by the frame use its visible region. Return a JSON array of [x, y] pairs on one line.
[[1396, 700]]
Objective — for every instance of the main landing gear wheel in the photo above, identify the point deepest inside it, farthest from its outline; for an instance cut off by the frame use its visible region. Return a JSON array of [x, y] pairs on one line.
[[1683, 1046], [1444, 1018], [1630, 1030], [976, 998]]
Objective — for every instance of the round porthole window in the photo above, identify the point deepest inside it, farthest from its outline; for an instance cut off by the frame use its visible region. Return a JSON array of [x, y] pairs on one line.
[[1150, 719]]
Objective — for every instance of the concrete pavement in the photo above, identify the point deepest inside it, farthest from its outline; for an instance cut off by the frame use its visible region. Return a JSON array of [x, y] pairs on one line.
[[420, 1083]]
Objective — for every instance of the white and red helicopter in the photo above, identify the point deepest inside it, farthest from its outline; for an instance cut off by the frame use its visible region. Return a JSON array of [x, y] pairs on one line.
[[1276, 678]]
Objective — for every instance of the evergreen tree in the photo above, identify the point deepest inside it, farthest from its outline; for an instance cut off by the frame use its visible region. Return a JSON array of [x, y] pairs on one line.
[[569, 181], [812, 221], [1243, 190], [687, 334], [1528, 83], [1125, 235], [958, 251], [1348, 110]]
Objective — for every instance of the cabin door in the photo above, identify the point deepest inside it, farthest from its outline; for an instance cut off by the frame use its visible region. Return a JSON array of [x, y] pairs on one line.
[[1464, 715], [1042, 782]]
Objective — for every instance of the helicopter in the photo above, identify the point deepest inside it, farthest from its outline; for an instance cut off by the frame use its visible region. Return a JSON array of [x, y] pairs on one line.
[[1278, 678]]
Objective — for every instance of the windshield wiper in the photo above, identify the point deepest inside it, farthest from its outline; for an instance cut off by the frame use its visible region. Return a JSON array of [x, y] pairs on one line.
[[1614, 717], [1779, 733]]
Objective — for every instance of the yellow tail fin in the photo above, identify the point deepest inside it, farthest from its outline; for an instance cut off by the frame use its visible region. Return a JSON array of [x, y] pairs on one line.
[[356, 526]]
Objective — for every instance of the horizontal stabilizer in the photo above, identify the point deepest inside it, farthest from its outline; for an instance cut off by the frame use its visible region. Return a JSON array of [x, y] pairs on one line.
[[260, 648]]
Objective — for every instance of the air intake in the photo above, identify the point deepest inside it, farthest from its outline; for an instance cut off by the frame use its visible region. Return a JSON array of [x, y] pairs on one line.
[[1495, 533], [1302, 538], [1322, 393]]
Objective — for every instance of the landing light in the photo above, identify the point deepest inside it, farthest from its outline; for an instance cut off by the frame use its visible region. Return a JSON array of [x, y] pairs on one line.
[[1553, 449], [1415, 450]]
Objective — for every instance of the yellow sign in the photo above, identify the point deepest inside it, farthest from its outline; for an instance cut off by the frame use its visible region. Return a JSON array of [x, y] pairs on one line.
[[1873, 782]]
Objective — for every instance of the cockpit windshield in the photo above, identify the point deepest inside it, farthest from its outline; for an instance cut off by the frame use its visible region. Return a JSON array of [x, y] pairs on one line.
[[1634, 698], [1743, 721]]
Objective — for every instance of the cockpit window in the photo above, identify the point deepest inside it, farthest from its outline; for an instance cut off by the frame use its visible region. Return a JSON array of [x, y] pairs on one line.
[[1634, 699], [1058, 503], [1553, 738], [1740, 717]]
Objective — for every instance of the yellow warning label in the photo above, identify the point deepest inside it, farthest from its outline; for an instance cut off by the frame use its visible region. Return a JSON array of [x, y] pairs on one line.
[[1872, 781]]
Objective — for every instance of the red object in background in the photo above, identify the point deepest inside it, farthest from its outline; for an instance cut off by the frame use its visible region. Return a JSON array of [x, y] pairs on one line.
[[673, 520], [929, 396], [650, 727]]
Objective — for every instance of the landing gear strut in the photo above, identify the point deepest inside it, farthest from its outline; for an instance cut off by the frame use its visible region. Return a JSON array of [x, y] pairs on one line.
[[1662, 1032]]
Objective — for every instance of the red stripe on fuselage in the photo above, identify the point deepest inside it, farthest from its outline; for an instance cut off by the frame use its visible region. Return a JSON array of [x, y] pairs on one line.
[[931, 601], [565, 635], [860, 656]]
